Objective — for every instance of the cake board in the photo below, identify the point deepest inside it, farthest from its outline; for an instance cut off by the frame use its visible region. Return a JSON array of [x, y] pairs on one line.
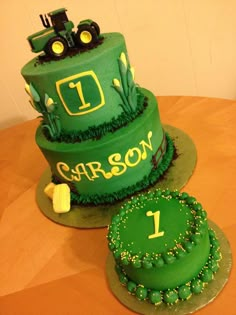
[[190, 306], [175, 177]]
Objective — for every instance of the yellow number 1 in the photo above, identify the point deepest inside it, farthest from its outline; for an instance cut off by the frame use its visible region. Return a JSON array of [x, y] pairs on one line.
[[78, 87], [156, 216]]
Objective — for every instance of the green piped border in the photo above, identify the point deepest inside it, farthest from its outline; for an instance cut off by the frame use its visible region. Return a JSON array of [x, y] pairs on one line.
[[97, 132], [198, 230], [151, 179], [183, 292]]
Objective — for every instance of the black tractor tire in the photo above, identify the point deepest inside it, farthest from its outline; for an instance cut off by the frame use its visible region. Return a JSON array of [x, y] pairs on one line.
[[56, 47], [96, 27], [86, 35]]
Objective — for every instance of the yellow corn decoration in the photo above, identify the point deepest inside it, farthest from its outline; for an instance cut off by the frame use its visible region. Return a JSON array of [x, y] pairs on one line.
[[49, 102], [116, 82], [132, 71], [123, 59], [61, 198], [27, 88], [50, 105], [49, 189]]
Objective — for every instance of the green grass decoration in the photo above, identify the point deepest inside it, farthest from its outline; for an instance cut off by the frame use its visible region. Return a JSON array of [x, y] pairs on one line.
[[50, 121], [126, 87]]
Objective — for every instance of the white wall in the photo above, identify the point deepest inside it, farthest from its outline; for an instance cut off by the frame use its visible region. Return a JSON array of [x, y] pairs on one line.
[[178, 47]]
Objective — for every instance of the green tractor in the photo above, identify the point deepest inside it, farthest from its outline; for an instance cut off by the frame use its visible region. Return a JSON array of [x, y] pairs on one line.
[[58, 37]]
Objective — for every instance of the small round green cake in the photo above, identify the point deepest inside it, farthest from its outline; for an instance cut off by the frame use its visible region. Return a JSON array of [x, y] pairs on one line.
[[163, 247]]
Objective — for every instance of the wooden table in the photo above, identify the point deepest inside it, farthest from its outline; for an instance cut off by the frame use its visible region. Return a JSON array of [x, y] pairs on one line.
[[46, 268]]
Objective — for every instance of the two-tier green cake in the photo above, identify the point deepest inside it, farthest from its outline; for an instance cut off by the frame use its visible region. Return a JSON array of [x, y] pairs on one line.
[[100, 132]]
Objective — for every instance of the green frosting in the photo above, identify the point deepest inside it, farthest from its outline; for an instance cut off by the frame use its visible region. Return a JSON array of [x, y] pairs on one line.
[[155, 297], [107, 198], [100, 133], [184, 292], [164, 257], [141, 293], [170, 296], [117, 165], [81, 87], [197, 286]]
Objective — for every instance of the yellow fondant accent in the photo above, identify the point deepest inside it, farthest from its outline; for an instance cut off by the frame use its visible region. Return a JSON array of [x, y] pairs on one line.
[[133, 72], [49, 189], [156, 216], [27, 89], [49, 102], [123, 59], [70, 80], [116, 82], [61, 198]]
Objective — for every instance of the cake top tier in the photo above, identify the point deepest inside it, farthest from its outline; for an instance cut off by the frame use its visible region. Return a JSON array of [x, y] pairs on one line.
[[86, 95], [157, 227]]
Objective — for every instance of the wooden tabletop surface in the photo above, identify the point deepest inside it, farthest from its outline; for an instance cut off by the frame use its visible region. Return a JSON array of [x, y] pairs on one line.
[[46, 268]]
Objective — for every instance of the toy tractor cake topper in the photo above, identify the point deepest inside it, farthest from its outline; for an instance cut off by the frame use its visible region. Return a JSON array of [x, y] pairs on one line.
[[58, 38]]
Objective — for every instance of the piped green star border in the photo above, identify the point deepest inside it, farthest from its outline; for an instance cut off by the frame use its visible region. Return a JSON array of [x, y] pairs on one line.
[[176, 177]]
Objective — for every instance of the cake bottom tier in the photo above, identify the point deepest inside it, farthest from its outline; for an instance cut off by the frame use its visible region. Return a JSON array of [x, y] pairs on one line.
[[115, 166]]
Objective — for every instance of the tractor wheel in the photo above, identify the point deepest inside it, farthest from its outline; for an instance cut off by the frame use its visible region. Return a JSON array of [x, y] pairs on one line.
[[96, 27], [86, 35], [56, 47]]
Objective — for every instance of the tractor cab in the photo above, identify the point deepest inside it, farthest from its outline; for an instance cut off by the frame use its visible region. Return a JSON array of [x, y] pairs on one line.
[[58, 19]]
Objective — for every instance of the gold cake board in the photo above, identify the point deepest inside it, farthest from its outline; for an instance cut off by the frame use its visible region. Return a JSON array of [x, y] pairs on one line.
[[182, 307], [80, 216]]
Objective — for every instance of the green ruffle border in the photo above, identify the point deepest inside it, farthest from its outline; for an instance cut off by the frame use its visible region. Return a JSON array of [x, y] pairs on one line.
[[197, 229], [147, 181], [182, 292], [97, 132]]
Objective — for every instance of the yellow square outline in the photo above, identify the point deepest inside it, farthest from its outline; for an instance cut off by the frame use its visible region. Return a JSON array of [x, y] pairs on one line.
[[76, 76]]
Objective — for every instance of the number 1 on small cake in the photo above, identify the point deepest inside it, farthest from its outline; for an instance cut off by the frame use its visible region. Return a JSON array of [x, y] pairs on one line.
[[156, 216]]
